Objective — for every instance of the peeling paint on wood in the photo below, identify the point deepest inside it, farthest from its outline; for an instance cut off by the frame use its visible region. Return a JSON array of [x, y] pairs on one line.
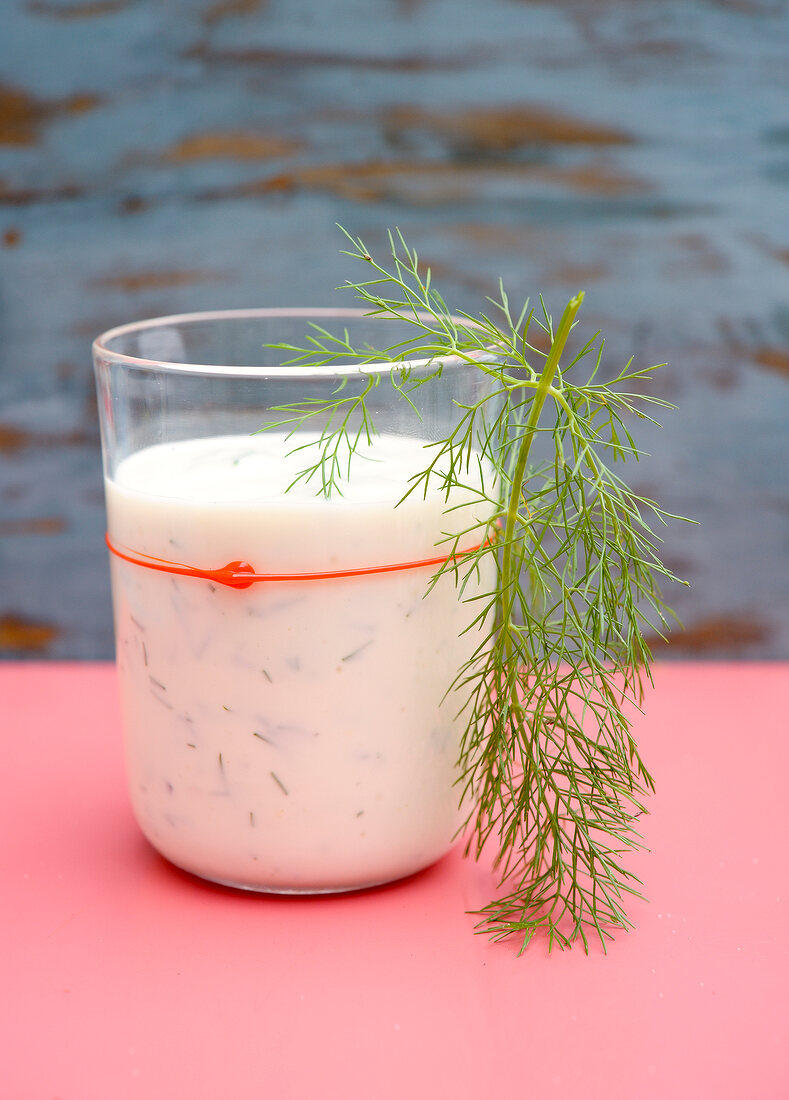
[[490, 237], [715, 636], [25, 636], [133, 282], [425, 183], [86, 9], [30, 196], [38, 525], [22, 114], [580, 275], [14, 439], [701, 256], [226, 9], [134, 204], [159, 158], [261, 58], [230, 144], [775, 359], [749, 344], [502, 129]]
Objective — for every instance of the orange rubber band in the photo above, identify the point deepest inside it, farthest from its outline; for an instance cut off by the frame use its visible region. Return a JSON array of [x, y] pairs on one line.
[[240, 574]]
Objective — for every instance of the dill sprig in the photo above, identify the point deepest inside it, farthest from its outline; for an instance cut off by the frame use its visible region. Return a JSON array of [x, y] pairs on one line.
[[551, 779]]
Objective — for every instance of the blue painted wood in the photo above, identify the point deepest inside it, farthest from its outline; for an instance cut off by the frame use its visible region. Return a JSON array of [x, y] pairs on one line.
[[157, 158]]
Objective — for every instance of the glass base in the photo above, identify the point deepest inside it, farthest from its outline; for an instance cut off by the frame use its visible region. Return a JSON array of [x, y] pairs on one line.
[[299, 891]]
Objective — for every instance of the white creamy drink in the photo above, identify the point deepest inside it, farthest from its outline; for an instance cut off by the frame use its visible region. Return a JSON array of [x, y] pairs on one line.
[[289, 736]]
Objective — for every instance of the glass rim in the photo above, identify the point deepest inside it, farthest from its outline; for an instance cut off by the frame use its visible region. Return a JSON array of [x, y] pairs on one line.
[[302, 370]]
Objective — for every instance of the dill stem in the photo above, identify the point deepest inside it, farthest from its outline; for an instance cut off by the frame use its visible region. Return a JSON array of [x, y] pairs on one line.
[[544, 387]]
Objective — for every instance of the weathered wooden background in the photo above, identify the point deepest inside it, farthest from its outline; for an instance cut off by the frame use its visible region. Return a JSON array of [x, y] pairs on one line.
[[162, 156]]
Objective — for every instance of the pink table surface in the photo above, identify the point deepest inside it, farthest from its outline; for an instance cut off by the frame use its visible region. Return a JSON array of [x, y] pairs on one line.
[[121, 977]]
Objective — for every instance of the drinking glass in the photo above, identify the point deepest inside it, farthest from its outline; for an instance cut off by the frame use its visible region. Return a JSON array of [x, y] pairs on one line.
[[285, 666]]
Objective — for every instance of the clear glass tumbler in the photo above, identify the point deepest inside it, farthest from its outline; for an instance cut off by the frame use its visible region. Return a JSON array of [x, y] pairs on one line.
[[283, 667]]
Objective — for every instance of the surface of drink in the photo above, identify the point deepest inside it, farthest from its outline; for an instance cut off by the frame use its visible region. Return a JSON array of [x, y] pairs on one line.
[[293, 735]]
